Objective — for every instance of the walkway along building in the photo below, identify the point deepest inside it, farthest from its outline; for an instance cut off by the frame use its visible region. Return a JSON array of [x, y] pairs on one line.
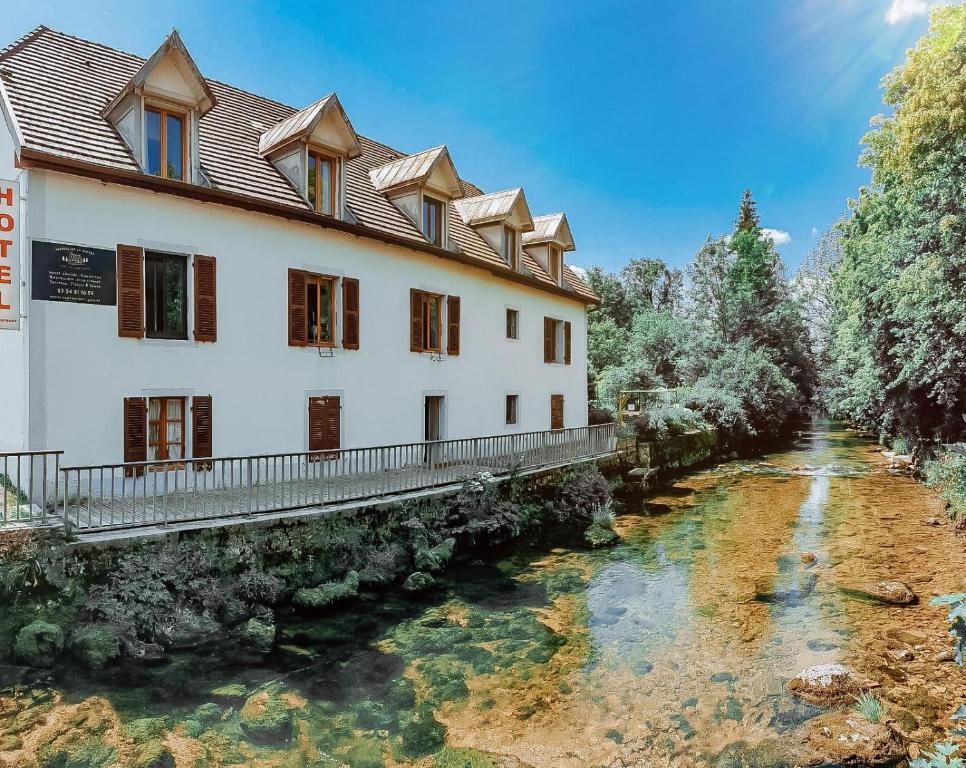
[[206, 272]]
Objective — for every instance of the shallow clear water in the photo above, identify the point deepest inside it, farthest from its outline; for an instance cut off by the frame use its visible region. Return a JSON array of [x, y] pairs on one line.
[[663, 650]]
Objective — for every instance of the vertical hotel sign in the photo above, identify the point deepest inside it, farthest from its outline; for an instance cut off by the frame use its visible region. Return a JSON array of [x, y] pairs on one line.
[[9, 255]]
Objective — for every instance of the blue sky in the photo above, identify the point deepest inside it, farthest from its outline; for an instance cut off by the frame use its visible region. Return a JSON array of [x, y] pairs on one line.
[[643, 121]]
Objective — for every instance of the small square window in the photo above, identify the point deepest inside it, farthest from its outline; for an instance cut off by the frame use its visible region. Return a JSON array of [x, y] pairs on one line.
[[512, 407], [512, 324]]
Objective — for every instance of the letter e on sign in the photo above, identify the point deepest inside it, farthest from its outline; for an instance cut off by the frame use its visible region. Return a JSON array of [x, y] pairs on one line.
[[9, 255]]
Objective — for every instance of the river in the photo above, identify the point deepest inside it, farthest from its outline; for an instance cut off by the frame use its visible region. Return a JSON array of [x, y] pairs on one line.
[[669, 649]]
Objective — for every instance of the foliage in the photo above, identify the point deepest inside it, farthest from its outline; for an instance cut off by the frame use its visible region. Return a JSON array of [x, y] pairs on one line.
[[942, 756], [898, 323], [664, 419], [328, 594], [451, 757], [957, 621], [485, 514], [747, 220], [947, 474], [95, 645], [579, 496], [869, 706], [39, 644]]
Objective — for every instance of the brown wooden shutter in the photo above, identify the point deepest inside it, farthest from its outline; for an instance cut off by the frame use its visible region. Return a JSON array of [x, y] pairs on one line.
[[350, 313], [452, 325], [130, 292], [297, 322], [201, 418], [549, 342], [325, 432], [567, 342], [415, 320], [135, 432], [556, 411], [206, 313]]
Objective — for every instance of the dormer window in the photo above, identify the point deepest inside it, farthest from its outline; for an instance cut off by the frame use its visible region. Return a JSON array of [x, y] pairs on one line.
[[433, 220], [556, 263], [165, 143], [509, 251], [321, 183], [550, 239]]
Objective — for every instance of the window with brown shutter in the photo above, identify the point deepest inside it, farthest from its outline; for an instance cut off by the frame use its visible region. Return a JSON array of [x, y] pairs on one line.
[[425, 321], [206, 314], [556, 411], [130, 292], [135, 432], [549, 340], [201, 428], [297, 324], [452, 325], [325, 433], [566, 332], [512, 402], [350, 313]]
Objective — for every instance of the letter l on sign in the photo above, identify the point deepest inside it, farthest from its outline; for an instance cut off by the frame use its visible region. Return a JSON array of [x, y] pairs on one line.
[[9, 255]]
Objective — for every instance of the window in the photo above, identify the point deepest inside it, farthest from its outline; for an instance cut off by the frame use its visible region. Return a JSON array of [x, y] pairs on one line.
[[433, 220], [556, 341], [321, 183], [512, 403], [556, 264], [512, 324], [320, 310], [427, 322], [165, 143], [165, 296], [510, 246], [556, 411], [166, 428]]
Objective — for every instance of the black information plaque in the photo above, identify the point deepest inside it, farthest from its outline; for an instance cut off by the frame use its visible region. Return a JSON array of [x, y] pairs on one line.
[[73, 273]]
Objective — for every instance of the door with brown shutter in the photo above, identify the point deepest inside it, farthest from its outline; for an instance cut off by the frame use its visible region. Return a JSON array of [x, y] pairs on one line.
[[130, 292], [206, 313], [325, 429], [556, 411], [566, 342], [452, 325], [135, 433], [350, 313], [297, 322], [201, 429]]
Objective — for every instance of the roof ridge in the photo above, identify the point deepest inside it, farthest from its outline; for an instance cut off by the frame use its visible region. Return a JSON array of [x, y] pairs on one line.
[[20, 42]]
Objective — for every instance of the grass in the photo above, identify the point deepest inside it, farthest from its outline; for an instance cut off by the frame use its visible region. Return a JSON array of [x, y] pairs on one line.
[[870, 707]]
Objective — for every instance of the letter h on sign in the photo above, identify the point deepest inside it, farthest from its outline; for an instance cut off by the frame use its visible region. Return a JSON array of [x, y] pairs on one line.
[[9, 255]]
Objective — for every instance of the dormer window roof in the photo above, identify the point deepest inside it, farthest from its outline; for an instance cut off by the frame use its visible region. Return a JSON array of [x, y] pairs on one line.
[[508, 207], [170, 75], [550, 229], [323, 123], [431, 169]]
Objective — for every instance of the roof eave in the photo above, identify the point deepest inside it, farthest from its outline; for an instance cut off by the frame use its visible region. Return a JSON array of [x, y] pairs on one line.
[[34, 158]]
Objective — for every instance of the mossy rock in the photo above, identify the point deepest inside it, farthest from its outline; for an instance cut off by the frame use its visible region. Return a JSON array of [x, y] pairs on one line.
[[153, 754], [329, 593], [600, 535], [449, 757], [258, 635], [206, 714], [39, 644], [364, 753], [434, 559], [89, 753], [146, 729], [418, 582], [94, 645], [232, 691], [266, 717], [422, 733], [10, 743]]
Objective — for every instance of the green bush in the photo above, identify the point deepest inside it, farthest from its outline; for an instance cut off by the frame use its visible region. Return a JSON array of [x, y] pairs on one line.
[[39, 644], [579, 496], [94, 645], [947, 475], [661, 420]]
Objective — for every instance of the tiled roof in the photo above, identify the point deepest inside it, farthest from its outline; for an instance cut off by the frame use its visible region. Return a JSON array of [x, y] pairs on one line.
[[551, 227], [408, 169], [300, 124], [492, 207], [57, 86]]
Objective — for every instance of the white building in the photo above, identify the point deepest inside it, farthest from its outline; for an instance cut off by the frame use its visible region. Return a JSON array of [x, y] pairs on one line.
[[204, 271]]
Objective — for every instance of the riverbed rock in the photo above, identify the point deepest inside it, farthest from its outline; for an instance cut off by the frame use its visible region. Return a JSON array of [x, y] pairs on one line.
[[790, 590], [893, 593], [418, 582], [189, 629], [944, 656], [266, 717], [39, 644], [845, 739], [257, 635], [142, 651], [808, 558], [829, 685]]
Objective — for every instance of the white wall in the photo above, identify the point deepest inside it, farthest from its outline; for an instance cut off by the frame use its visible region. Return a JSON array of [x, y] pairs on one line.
[[13, 422], [81, 370]]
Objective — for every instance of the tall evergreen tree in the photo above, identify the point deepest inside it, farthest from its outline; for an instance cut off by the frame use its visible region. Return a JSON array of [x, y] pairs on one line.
[[747, 214]]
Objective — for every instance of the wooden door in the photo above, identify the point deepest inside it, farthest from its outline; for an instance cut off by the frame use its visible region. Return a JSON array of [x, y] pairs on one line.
[[556, 411], [325, 423]]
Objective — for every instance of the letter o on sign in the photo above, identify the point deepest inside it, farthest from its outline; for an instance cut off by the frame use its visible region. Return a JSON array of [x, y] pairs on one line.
[[6, 222]]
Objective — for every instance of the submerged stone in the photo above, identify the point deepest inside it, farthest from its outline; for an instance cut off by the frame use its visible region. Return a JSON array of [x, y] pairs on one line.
[[266, 718], [829, 685], [258, 635], [790, 592], [422, 733], [418, 582]]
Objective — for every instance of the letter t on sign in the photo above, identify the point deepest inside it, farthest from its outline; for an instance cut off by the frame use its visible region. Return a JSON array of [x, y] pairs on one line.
[[10, 255]]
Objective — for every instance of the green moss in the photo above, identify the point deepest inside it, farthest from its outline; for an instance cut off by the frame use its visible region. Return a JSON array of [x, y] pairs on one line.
[[230, 691], [418, 582], [94, 645], [89, 753], [39, 644], [259, 635], [433, 559], [146, 729], [153, 754], [206, 714], [373, 716], [450, 757], [422, 733], [328, 594], [364, 753], [266, 717]]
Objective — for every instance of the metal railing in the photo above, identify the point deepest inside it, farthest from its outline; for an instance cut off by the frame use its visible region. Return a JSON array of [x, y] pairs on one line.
[[29, 487], [127, 495]]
